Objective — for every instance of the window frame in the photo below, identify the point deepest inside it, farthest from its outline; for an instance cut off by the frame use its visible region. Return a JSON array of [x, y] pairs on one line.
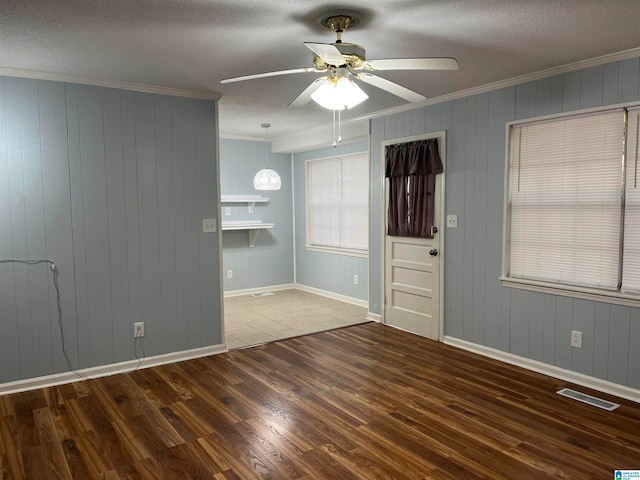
[[354, 252], [565, 290]]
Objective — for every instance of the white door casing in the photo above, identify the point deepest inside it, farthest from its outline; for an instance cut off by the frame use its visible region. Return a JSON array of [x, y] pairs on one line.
[[412, 277]]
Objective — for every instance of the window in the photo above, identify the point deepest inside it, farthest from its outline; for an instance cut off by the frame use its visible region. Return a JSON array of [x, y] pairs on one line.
[[573, 202], [338, 204]]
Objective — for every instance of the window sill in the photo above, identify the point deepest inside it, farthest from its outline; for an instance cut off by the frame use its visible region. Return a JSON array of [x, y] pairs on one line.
[[338, 251], [617, 298]]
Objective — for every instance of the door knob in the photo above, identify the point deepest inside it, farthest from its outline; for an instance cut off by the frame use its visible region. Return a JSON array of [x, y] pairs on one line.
[[433, 252]]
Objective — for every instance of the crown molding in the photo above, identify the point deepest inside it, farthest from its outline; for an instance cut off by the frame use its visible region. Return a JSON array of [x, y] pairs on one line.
[[96, 82], [286, 141], [510, 82]]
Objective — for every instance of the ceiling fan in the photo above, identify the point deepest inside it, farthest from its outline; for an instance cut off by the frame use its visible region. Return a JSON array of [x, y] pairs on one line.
[[346, 63]]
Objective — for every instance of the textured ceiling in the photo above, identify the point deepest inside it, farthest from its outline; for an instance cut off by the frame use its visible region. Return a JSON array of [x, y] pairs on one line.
[[193, 44]]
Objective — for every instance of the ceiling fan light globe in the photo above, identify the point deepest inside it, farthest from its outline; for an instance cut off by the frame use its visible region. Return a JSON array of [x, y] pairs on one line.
[[338, 94], [267, 179]]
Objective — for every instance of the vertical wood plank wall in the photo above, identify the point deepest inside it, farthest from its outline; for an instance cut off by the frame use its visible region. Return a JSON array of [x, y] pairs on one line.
[[477, 308], [113, 186]]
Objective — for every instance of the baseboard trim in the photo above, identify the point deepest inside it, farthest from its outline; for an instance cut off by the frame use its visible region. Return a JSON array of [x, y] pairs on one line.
[[374, 317], [107, 370], [334, 296], [605, 386], [304, 288], [252, 291]]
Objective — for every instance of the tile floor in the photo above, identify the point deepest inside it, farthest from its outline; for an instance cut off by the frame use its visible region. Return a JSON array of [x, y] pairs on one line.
[[289, 313]]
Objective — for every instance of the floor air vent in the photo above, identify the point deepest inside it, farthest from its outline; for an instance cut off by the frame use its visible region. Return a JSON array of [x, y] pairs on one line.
[[584, 398], [263, 294]]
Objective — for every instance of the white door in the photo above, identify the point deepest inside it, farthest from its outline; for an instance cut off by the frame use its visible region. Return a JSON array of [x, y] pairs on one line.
[[412, 276], [412, 285]]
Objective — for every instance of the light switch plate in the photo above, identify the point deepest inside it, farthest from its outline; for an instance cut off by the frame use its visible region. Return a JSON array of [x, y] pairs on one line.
[[209, 225], [452, 221]]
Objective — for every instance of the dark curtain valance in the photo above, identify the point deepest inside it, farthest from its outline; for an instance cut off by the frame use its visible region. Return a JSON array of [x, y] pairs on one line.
[[413, 158], [412, 168]]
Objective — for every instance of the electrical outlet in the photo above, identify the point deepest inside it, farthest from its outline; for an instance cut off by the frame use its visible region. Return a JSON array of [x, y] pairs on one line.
[[355, 279], [229, 273], [452, 221], [576, 339], [227, 211], [138, 329]]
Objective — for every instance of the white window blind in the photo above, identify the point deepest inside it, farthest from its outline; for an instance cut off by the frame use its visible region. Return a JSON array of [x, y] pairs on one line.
[[323, 193], [354, 216], [631, 257], [565, 200], [338, 202]]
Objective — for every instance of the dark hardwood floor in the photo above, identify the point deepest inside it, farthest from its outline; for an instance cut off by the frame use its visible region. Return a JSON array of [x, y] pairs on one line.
[[363, 402]]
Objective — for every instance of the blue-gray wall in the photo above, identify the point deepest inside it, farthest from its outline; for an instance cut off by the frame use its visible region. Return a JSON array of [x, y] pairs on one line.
[[113, 186], [477, 308], [326, 271], [270, 262]]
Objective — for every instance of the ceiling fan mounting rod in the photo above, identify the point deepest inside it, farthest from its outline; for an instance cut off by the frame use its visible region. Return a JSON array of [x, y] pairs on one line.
[[338, 23]]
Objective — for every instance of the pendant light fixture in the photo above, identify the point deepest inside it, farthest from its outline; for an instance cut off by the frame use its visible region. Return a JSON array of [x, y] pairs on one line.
[[266, 179]]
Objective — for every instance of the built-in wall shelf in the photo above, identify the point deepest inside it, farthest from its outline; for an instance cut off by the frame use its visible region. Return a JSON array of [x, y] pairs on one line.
[[253, 226], [250, 200]]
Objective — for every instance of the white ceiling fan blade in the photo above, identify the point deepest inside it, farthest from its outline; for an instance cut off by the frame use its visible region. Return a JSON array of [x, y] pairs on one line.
[[391, 87], [269, 74], [304, 98], [444, 63], [329, 53]]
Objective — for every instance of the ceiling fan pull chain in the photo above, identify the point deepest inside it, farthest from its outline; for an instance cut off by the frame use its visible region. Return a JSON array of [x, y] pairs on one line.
[[334, 144], [339, 127]]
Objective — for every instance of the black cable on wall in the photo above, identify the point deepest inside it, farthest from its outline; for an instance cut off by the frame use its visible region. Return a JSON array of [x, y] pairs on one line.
[[56, 274]]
